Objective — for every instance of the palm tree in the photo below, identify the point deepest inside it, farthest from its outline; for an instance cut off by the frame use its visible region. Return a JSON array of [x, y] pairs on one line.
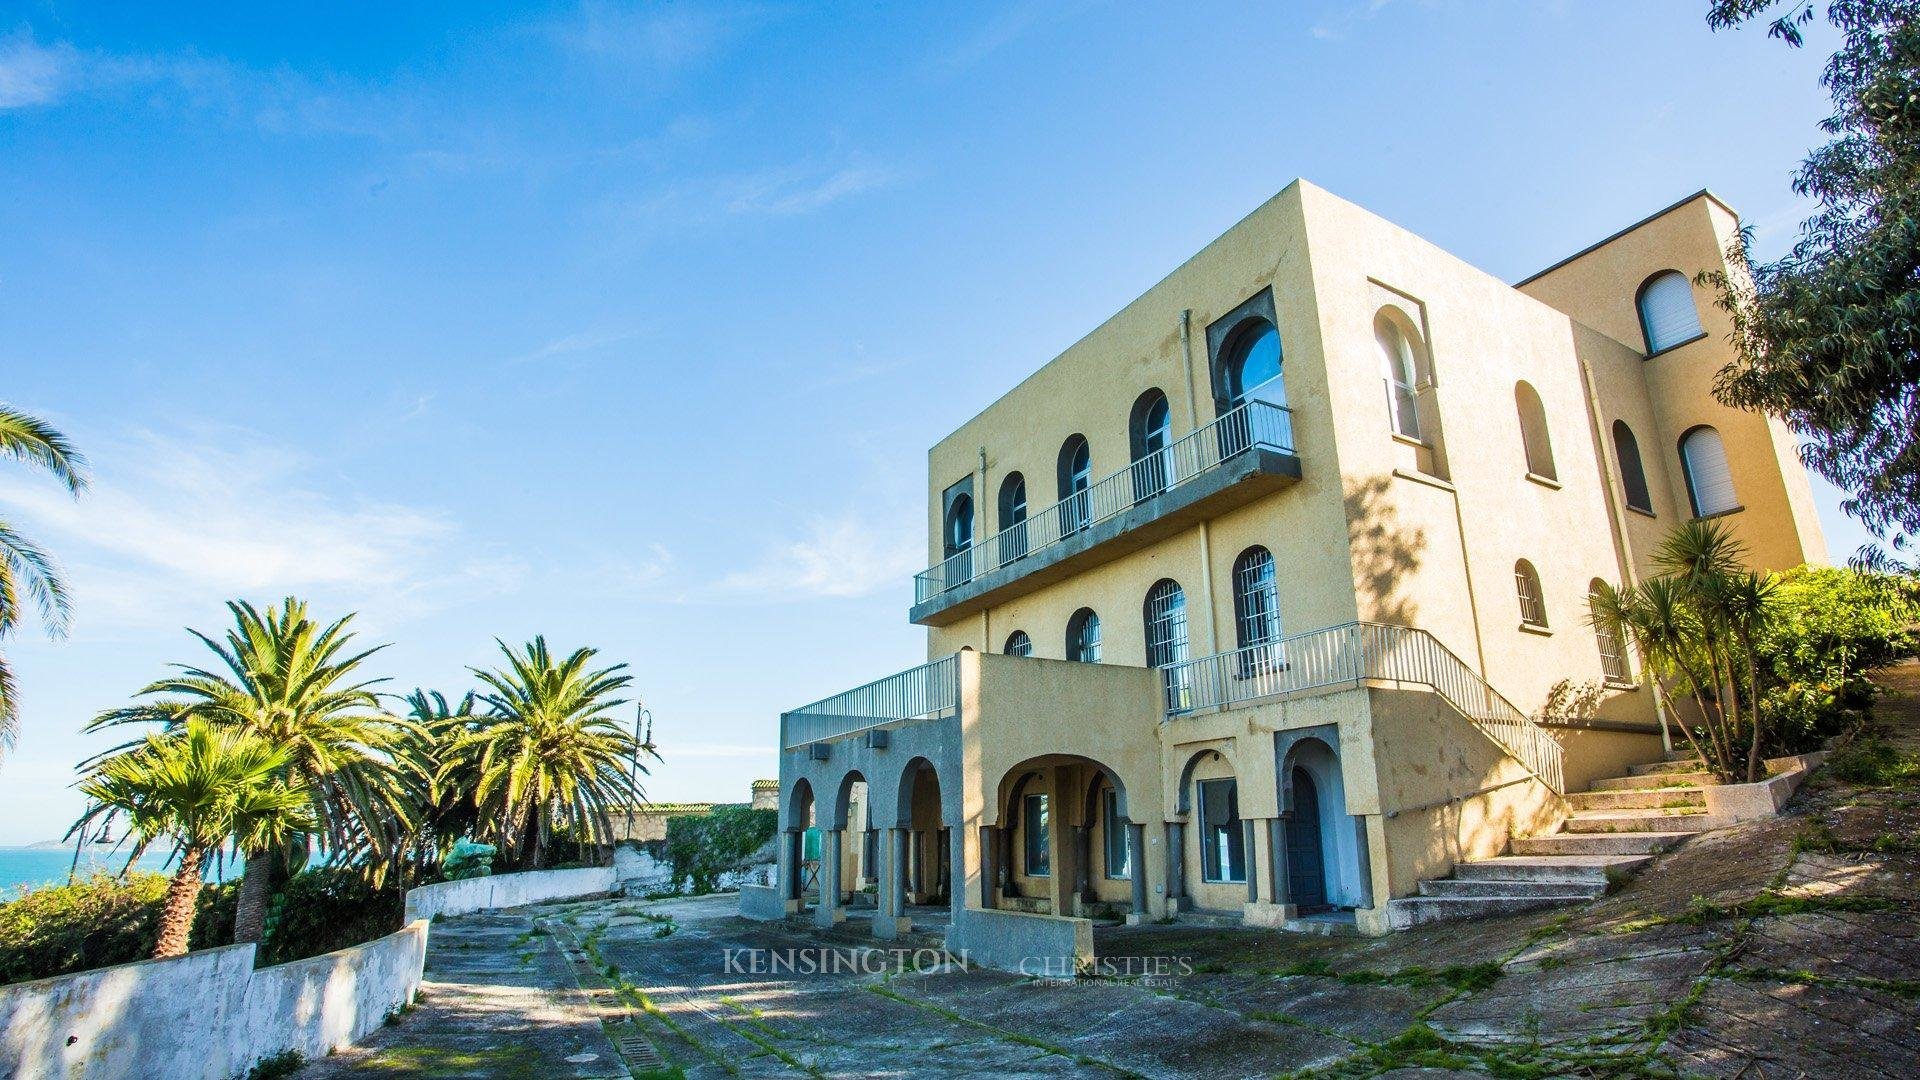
[[546, 753], [284, 678], [198, 787], [23, 565], [443, 776]]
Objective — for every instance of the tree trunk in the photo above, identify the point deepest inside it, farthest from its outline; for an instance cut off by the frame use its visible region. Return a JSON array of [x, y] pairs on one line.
[[1754, 768], [256, 887], [176, 916], [539, 838]]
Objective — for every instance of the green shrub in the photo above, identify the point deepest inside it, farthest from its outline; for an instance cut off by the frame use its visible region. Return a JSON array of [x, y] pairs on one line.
[[701, 848], [1832, 626], [98, 921], [323, 908]]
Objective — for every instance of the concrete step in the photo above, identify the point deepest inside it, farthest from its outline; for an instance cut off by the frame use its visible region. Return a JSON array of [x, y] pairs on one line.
[[1655, 780], [1624, 821], [1658, 798], [1604, 843], [1681, 765], [1411, 911], [1480, 887], [1579, 868]]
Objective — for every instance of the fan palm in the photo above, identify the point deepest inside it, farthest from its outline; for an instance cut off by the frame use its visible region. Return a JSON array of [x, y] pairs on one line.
[[198, 787], [286, 679], [23, 565], [547, 754]]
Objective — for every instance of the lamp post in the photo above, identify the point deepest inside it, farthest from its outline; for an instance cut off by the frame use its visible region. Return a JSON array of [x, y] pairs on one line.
[[642, 719]]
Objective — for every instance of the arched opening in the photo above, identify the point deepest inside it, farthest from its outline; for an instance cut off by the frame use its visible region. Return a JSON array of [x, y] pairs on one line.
[[1668, 314], [1150, 438], [1013, 518], [1533, 603], [1401, 370], [1633, 475], [1075, 469], [1606, 637], [1165, 617], [1251, 365], [1083, 637], [1703, 460], [1019, 644], [1324, 865], [1064, 843], [800, 856], [1256, 613], [924, 844], [1306, 850], [1533, 431], [850, 826], [957, 539]]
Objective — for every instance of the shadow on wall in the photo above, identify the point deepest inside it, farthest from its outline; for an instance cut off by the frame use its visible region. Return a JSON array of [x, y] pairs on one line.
[[1385, 550]]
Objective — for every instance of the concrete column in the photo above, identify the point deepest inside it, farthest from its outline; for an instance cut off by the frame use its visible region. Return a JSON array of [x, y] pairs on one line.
[[901, 853], [916, 865], [890, 916], [1248, 833], [829, 912], [989, 866], [1004, 836], [1365, 857], [946, 855], [1083, 863], [1176, 866], [796, 854], [1137, 856], [1279, 887]]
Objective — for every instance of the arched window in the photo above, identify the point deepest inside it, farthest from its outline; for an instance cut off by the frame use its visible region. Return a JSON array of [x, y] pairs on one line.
[[1533, 606], [959, 526], [1019, 644], [1165, 616], [1633, 476], [1076, 476], [1703, 458], [1668, 316], [1256, 610], [1013, 518], [1150, 434], [1252, 370], [1083, 637], [1402, 374], [1613, 658], [1533, 431]]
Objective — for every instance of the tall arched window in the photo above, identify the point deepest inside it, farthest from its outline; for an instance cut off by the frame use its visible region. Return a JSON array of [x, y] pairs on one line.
[[1703, 458], [1019, 644], [959, 540], [1149, 435], [1613, 658], [1668, 316], [1076, 476], [1256, 611], [1013, 518], [1402, 374], [1526, 583], [1533, 431], [1633, 476], [1165, 616], [1252, 370], [1083, 637]]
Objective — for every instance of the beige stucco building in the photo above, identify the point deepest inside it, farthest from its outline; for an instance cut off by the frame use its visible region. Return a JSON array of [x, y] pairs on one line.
[[1248, 602]]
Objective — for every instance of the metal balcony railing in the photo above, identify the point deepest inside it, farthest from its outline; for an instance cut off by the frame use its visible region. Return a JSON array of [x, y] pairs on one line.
[[1255, 424], [1354, 653], [928, 692]]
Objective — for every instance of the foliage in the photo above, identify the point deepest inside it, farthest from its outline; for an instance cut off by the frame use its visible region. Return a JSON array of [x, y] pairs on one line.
[[23, 565], [702, 847], [275, 1066], [1828, 336], [1570, 702], [95, 921], [468, 860], [1874, 762], [324, 908], [443, 778], [546, 755], [197, 788], [1830, 627]]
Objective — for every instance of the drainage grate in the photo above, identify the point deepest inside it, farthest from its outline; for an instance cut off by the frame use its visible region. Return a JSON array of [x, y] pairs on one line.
[[639, 1052]]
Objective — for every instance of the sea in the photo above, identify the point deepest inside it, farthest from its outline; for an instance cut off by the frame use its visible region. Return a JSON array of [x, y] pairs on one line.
[[34, 867]]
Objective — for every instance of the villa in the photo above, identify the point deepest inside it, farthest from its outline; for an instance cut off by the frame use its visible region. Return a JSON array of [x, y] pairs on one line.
[[1247, 605]]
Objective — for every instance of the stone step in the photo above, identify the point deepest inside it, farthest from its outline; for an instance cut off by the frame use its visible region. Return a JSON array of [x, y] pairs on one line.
[[1631, 821], [1481, 887], [1655, 780], [1658, 798], [1617, 843], [1411, 911], [1681, 765], [1578, 868]]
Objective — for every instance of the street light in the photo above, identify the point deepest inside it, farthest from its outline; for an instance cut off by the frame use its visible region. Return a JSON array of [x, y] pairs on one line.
[[641, 717]]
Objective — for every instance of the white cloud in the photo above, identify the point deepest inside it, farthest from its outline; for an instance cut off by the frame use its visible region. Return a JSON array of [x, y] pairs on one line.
[[838, 557], [33, 74], [569, 344], [174, 524], [802, 191], [654, 38]]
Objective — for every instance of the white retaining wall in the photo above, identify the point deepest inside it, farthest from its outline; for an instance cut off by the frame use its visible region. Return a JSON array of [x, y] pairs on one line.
[[507, 890]]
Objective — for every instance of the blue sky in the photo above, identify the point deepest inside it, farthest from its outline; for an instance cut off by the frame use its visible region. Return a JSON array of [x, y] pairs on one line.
[[631, 324]]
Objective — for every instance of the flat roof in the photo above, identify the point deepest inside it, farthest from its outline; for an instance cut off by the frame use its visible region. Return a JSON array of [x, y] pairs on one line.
[[1703, 193]]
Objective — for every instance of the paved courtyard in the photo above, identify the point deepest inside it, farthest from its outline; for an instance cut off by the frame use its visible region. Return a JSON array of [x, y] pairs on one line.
[[1781, 949]]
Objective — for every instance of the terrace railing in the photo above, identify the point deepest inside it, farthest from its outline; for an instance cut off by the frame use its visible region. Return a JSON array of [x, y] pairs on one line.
[[1350, 655], [928, 692], [1256, 424]]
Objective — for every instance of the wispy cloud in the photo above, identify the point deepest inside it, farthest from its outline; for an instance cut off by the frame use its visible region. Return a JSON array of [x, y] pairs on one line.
[[31, 73], [842, 556], [803, 190], [1334, 27], [583, 341], [176, 520], [654, 38]]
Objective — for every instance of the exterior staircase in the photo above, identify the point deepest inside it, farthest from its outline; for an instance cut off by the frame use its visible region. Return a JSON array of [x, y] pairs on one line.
[[1613, 830]]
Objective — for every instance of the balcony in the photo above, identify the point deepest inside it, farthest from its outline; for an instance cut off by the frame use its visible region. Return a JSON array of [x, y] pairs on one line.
[[1241, 456], [928, 692]]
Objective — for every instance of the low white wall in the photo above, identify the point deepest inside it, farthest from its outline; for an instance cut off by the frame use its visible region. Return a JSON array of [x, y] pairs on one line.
[[764, 903], [207, 1014], [1048, 946], [508, 890]]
